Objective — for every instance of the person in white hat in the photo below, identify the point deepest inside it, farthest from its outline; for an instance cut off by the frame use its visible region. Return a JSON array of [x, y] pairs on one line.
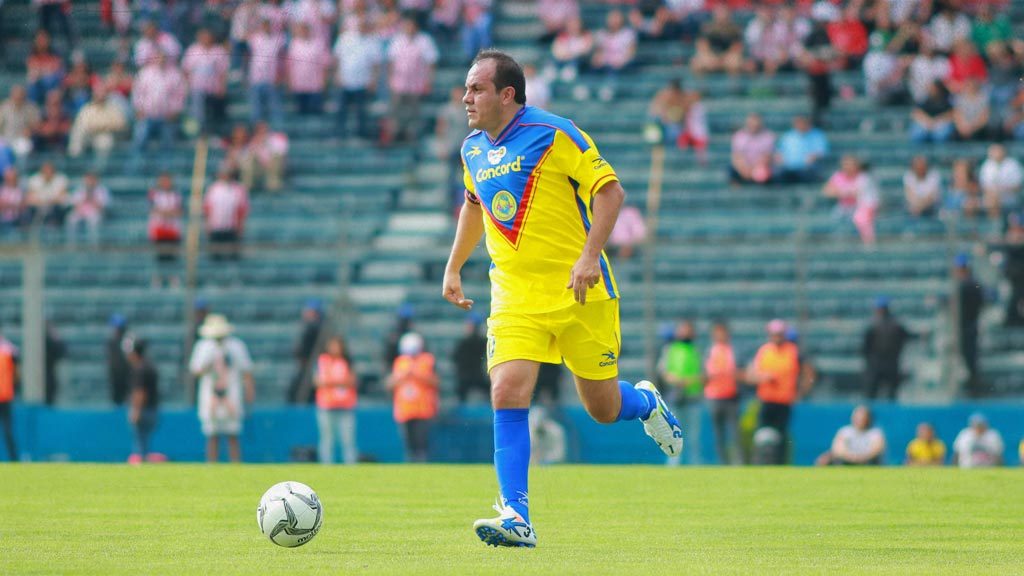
[[222, 363]]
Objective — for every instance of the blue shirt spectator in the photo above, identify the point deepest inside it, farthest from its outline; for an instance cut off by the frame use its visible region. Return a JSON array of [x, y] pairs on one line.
[[799, 150]]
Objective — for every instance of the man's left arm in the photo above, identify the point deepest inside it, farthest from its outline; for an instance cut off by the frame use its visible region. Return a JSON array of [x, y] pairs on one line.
[[586, 273]]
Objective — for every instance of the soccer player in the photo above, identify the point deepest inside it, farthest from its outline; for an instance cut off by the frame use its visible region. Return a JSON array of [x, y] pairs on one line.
[[547, 201]]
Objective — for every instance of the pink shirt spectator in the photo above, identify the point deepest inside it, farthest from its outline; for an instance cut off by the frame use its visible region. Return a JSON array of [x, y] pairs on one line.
[[207, 68], [616, 48], [447, 12], [848, 187], [308, 60], [754, 147], [163, 205], [245, 20], [318, 14], [273, 145], [89, 204], [265, 58], [412, 60], [159, 92], [629, 229], [226, 206], [557, 13], [12, 199], [146, 50]]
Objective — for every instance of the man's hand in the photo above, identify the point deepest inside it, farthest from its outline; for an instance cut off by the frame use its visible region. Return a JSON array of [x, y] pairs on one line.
[[452, 291], [585, 274]]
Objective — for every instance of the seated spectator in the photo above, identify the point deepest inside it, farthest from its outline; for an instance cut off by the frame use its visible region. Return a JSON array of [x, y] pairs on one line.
[[964, 190], [965, 64], [948, 27], [154, 43], [226, 207], [856, 196], [654, 21], [629, 231], [695, 127], [772, 39], [413, 56], [858, 444], [884, 66], [614, 50], [1001, 178], [922, 188], [932, 120], [1014, 125], [925, 449], [79, 85], [51, 134], [989, 29], [719, 45], [308, 61], [849, 37], [971, 112], [12, 201], [206, 70], [18, 118], [752, 148], [799, 152], [556, 15], [668, 109], [265, 158], [265, 47], [96, 126], [571, 49], [158, 98], [926, 68], [88, 203], [978, 446], [1004, 79], [44, 67], [47, 196], [476, 27], [538, 89], [236, 150], [164, 229]]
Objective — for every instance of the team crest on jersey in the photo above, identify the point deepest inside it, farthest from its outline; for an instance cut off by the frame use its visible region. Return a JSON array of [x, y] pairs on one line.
[[495, 156], [474, 152], [504, 206]]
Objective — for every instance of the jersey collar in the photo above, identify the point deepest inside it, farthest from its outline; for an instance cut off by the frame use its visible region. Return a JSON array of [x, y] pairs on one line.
[[507, 129]]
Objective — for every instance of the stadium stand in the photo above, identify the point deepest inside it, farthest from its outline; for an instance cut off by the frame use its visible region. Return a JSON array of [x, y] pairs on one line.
[[375, 222]]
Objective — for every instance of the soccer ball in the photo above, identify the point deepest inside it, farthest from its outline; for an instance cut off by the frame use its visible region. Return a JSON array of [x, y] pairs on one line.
[[290, 514]]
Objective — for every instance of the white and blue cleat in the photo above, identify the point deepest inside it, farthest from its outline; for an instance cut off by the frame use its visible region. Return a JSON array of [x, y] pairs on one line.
[[661, 425], [508, 529]]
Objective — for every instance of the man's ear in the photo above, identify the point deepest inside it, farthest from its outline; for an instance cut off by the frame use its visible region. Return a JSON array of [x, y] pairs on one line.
[[508, 92]]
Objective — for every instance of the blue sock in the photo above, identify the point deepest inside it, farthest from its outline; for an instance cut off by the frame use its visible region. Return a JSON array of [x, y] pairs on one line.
[[512, 456], [635, 403]]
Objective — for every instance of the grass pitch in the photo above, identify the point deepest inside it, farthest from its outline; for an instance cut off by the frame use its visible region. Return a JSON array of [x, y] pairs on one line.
[[193, 519]]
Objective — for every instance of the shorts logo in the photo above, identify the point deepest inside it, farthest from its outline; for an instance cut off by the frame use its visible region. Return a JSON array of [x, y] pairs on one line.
[[490, 347], [474, 152], [504, 206], [495, 156], [609, 359]]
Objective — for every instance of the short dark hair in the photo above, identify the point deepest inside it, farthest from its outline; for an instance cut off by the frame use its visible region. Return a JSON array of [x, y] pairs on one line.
[[507, 72]]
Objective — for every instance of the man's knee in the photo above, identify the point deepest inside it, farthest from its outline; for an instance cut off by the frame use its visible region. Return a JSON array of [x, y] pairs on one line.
[[604, 413], [509, 390]]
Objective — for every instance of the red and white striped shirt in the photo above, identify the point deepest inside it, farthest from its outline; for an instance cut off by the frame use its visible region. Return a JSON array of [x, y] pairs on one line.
[[146, 50], [265, 58], [159, 92], [308, 60], [162, 204], [226, 206], [207, 68], [412, 60]]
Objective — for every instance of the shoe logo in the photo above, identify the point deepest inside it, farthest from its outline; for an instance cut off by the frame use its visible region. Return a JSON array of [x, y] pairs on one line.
[[513, 525], [610, 359]]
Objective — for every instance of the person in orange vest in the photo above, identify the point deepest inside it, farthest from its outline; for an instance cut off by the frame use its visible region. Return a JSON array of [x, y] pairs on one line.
[[720, 376], [336, 396], [8, 378], [413, 383], [776, 373]]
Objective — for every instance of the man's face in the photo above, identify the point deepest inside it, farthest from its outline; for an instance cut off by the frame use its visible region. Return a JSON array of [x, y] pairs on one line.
[[860, 418], [801, 124], [754, 123], [997, 153], [164, 182], [18, 94], [925, 432], [483, 102]]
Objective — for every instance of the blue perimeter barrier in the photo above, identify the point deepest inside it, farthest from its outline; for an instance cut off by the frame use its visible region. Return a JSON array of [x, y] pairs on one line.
[[463, 434]]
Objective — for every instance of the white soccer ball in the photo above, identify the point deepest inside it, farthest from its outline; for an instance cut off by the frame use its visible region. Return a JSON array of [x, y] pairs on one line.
[[290, 514]]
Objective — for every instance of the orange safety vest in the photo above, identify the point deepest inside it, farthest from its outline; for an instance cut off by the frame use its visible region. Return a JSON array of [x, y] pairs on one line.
[[720, 368], [782, 365], [332, 395], [7, 371], [415, 399]]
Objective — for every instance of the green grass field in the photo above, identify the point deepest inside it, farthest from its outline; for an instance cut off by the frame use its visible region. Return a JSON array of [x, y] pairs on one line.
[[193, 519]]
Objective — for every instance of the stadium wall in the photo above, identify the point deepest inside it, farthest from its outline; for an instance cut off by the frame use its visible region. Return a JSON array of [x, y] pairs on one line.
[[462, 434]]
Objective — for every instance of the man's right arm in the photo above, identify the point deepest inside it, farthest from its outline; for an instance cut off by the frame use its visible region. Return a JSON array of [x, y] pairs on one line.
[[468, 234]]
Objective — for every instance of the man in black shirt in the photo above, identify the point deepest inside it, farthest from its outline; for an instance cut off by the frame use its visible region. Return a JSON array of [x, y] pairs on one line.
[[970, 301], [469, 358], [299, 392], [882, 348], [145, 399], [118, 370]]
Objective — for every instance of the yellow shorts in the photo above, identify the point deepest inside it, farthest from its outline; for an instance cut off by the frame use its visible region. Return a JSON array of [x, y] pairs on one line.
[[586, 337]]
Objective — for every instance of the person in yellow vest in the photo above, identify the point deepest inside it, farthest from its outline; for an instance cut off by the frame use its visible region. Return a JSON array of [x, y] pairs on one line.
[[8, 378], [336, 391], [776, 373], [926, 449], [413, 384], [720, 376]]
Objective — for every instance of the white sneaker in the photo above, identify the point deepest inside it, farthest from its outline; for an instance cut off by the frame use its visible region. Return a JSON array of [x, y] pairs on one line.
[[661, 424], [508, 529]]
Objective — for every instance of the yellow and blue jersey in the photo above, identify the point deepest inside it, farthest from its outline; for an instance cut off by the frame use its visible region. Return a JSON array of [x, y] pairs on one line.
[[536, 183]]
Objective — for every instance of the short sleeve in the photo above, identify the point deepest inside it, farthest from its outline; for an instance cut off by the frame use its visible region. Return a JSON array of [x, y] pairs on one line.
[[467, 181], [959, 445], [576, 153], [241, 356], [200, 357]]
